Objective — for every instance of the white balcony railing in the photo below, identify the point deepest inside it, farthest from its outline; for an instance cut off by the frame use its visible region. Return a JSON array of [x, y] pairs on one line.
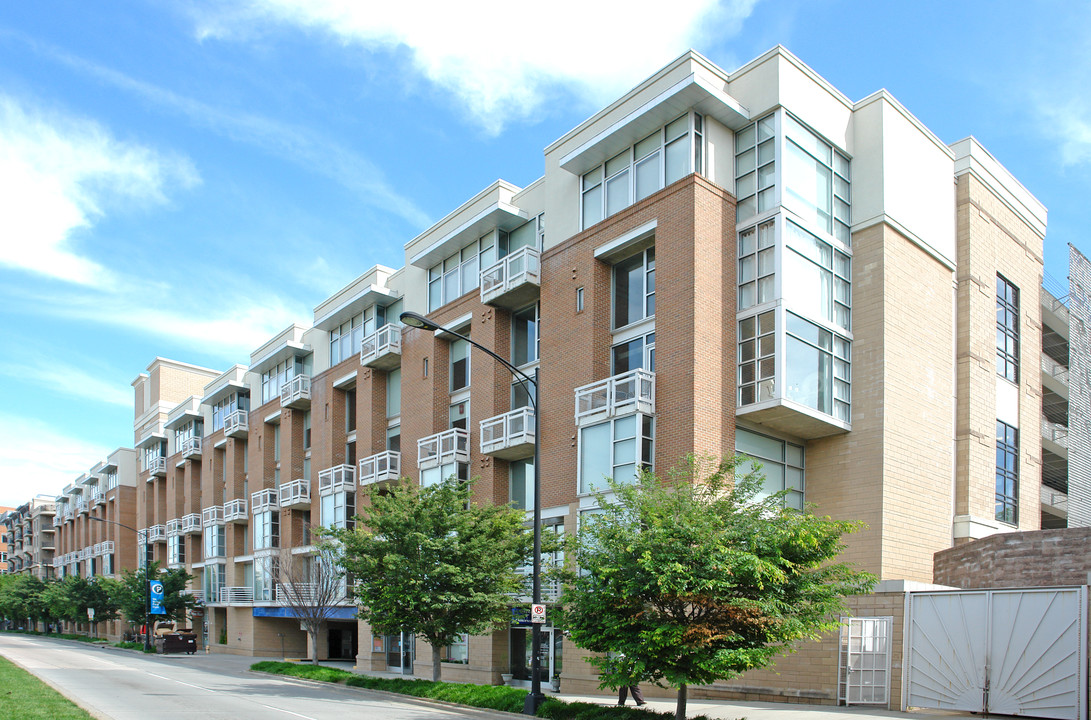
[[237, 595], [381, 467], [339, 478], [99, 498], [382, 349], [157, 466], [190, 523], [236, 424], [263, 500], [235, 510], [191, 448], [296, 393], [302, 593], [445, 447], [295, 493], [1055, 432], [212, 515], [629, 392], [107, 547], [519, 271], [1054, 368], [197, 594], [509, 436], [174, 527], [551, 589], [157, 533], [58, 519], [81, 504]]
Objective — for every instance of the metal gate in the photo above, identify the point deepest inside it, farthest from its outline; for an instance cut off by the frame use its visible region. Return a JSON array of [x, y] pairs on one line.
[[1013, 652], [864, 670]]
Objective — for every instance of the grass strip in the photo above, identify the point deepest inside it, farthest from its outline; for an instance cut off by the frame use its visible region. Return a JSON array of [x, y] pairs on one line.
[[25, 697], [489, 697]]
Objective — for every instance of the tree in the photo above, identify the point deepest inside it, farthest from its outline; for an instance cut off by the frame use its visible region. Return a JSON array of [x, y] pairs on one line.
[[131, 593], [429, 561], [310, 585], [70, 598], [23, 599], [697, 578]]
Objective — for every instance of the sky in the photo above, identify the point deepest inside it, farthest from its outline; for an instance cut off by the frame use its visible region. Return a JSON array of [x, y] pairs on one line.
[[187, 179]]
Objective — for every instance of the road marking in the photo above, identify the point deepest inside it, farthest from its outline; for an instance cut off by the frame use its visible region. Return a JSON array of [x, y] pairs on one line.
[[305, 717], [164, 677]]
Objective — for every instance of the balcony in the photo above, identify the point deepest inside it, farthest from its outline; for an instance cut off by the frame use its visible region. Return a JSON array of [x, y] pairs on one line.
[[381, 467], [382, 349], [296, 393], [446, 447], [237, 425], [174, 527], [339, 478], [509, 436], [302, 593], [237, 596], [198, 595], [512, 281], [213, 515], [58, 519], [296, 493], [190, 524], [631, 392], [235, 511], [551, 589], [157, 533], [99, 498], [107, 547], [157, 466], [191, 448], [263, 500], [1056, 434]]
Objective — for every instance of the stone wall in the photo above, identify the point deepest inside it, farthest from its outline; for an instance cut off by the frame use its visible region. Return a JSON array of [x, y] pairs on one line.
[[1037, 558]]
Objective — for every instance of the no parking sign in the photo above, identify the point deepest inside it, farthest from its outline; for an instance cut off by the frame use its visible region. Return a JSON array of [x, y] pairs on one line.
[[537, 614]]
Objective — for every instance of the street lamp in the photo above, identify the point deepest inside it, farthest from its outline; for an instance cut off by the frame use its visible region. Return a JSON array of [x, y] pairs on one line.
[[535, 698], [147, 586]]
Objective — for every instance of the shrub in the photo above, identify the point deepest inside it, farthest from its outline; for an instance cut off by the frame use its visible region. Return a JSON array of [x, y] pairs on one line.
[[490, 697]]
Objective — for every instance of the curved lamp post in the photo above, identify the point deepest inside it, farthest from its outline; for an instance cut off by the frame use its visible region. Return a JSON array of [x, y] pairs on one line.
[[147, 587], [535, 698]]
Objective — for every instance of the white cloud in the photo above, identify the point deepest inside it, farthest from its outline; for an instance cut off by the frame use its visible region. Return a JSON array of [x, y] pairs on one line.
[[70, 381], [37, 458], [503, 59], [58, 175]]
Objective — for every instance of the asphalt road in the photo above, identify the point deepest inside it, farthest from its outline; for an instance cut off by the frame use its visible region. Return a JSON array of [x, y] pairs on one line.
[[122, 685]]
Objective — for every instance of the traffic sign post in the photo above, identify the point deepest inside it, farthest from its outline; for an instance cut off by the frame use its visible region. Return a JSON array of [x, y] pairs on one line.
[[537, 614]]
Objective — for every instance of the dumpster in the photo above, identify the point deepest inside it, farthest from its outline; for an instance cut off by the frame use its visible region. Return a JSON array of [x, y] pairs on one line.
[[177, 642]]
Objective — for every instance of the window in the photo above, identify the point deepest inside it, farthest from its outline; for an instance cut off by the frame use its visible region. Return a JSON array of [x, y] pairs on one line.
[[579, 299], [816, 180], [176, 550], [224, 408], [521, 490], [266, 529], [457, 651], [615, 448], [811, 352], [818, 276], [215, 541], [459, 415], [350, 410], [755, 168], [111, 479], [394, 393], [634, 288], [266, 576], [1007, 329], [108, 564], [641, 169], [524, 336], [394, 438], [638, 353], [436, 475], [187, 432], [460, 273], [757, 265], [307, 430], [273, 379], [757, 358], [213, 582], [781, 464], [460, 365], [338, 509], [1007, 473]]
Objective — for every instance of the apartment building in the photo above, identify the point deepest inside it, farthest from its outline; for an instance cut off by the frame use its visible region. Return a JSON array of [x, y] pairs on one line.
[[30, 537], [714, 263], [5, 539]]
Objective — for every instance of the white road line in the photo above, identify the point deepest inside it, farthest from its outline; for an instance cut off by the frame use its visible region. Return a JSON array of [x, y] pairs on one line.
[[164, 677], [305, 717]]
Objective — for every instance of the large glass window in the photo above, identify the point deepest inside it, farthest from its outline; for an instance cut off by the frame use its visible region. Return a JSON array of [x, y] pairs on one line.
[[1007, 473], [811, 353], [817, 276], [215, 541], [781, 464], [634, 288], [816, 180], [524, 336], [521, 491], [755, 168], [338, 510], [460, 365], [176, 550], [757, 358], [394, 392], [460, 272], [458, 651], [273, 379], [1007, 329], [266, 529], [266, 577], [667, 155], [223, 408], [213, 582], [638, 353], [615, 448], [436, 475], [757, 265]]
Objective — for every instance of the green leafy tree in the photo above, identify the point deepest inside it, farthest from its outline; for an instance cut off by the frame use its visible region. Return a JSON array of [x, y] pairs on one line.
[[23, 599], [698, 577], [70, 598], [430, 561], [130, 593]]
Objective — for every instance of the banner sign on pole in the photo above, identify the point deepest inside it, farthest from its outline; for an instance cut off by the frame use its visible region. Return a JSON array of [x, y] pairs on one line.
[[157, 598]]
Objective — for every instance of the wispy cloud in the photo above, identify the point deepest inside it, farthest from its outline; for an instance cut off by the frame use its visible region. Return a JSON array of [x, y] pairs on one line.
[[301, 146], [70, 381], [58, 175], [37, 458], [502, 60]]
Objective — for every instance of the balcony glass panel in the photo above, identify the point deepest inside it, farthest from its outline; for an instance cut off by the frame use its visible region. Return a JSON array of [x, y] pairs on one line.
[[382, 348], [629, 392], [519, 271], [381, 467], [511, 432], [296, 492], [338, 478], [263, 500], [445, 447]]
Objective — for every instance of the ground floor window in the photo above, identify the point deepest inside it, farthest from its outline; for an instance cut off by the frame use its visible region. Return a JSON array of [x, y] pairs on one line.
[[457, 652]]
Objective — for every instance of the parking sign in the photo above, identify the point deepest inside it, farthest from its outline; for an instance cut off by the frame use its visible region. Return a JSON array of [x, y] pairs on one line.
[[537, 613]]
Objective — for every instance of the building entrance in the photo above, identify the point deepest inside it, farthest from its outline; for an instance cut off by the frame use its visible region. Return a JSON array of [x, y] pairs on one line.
[[550, 654], [397, 659]]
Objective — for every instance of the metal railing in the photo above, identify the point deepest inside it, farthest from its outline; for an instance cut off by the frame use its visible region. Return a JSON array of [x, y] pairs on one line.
[[213, 515], [157, 533], [174, 526], [1055, 369], [508, 430], [1054, 498], [107, 547], [191, 447], [339, 478], [1055, 432], [296, 492], [444, 447], [237, 595], [263, 500], [235, 510], [236, 424], [384, 346], [190, 523], [157, 466], [381, 467], [296, 392], [521, 267], [633, 391]]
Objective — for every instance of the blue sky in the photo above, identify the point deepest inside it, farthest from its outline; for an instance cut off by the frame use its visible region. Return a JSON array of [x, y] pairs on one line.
[[186, 179]]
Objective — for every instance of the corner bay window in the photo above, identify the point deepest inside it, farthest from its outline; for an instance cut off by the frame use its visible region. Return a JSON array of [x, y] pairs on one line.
[[338, 510], [223, 408], [266, 529], [213, 582], [1007, 473], [176, 550], [615, 448], [781, 464], [273, 379], [521, 490], [215, 541], [460, 365]]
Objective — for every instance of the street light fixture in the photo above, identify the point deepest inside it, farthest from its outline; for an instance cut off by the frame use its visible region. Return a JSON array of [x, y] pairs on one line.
[[147, 586], [535, 698]]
